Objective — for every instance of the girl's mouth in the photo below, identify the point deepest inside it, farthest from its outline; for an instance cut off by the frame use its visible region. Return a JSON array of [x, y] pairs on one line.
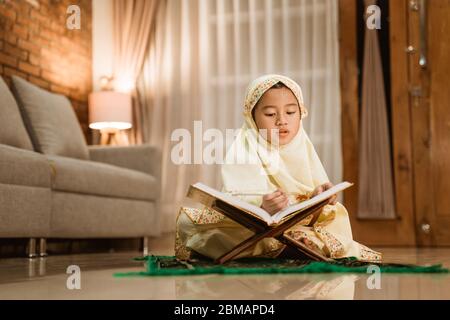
[[283, 132]]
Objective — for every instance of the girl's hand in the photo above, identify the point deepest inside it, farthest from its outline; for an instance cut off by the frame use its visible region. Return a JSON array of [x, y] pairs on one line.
[[274, 202], [322, 188]]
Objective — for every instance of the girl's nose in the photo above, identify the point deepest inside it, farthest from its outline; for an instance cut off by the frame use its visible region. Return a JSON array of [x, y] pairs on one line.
[[281, 120]]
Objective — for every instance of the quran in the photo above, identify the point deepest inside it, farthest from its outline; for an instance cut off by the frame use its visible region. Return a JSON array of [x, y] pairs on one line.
[[260, 221], [207, 196]]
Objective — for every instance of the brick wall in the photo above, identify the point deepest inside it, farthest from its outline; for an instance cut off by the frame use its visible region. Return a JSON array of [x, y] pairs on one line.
[[36, 44]]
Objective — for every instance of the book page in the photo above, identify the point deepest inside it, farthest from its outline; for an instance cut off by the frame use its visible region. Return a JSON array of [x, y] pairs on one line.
[[309, 203], [235, 201], [263, 214]]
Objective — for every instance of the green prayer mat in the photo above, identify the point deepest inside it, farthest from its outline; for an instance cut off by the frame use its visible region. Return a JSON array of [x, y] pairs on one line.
[[171, 266]]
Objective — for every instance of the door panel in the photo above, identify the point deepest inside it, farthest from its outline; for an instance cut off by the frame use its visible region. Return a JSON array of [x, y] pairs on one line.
[[378, 232], [437, 80], [429, 101], [420, 123]]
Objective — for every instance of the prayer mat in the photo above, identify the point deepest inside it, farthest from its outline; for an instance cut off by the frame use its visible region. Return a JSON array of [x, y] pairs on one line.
[[171, 266]]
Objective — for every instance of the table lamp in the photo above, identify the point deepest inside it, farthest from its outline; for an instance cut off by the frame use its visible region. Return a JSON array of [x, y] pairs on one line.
[[110, 112]]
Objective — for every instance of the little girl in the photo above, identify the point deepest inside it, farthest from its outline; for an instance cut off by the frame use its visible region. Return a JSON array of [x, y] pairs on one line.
[[273, 102]]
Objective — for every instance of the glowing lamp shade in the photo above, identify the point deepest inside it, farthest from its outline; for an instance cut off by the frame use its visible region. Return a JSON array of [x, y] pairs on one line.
[[109, 110]]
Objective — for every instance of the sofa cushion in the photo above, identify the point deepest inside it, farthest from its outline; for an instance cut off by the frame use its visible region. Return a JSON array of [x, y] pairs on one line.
[[50, 120], [25, 211], [94, 178], [12, 128], [24, 167], [87, 216]]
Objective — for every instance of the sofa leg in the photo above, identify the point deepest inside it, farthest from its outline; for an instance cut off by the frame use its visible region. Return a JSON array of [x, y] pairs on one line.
[[145, 246], [42, 247], [32, 248]]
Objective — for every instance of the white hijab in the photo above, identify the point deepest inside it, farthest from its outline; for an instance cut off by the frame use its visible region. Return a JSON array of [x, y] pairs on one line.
[[293, 167]]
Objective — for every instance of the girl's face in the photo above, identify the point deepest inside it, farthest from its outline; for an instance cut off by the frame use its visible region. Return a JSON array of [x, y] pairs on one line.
[[278, 109]]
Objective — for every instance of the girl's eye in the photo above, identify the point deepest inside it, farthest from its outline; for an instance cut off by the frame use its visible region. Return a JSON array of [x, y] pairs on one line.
[[291, 112], [270, 114]]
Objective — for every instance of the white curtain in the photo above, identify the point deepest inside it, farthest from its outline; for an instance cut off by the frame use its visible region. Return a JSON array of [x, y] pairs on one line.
[[206, 52]]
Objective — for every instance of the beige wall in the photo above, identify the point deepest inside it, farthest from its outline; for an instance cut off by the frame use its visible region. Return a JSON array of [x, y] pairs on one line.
[[35, 44]]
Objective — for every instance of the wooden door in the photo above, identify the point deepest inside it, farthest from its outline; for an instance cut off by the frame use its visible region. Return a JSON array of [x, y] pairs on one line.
[[420, 122], [430, 110], [378, 232]]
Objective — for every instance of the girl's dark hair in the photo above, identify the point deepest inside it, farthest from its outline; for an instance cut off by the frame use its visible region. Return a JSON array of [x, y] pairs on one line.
[[277, 85]]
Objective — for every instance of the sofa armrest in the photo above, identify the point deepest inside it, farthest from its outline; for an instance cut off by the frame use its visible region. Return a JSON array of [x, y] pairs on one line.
[[144, 158], [24, 167]]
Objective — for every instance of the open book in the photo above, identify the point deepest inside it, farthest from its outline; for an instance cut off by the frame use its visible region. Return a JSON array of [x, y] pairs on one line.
[[209, 196]]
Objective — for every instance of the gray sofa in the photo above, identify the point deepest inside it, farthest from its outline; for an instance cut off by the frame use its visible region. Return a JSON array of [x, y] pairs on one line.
[[52, 185]]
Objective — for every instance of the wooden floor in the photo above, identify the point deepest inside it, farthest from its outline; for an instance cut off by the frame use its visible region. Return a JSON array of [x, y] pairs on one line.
[[46, 278]]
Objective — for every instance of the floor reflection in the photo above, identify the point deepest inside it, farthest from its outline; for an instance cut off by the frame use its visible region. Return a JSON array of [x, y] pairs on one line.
[[319, 286], [45, 278], [37, 267]]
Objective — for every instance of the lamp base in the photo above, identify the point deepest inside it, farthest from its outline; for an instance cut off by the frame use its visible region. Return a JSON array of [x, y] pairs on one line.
[[113, 137]]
